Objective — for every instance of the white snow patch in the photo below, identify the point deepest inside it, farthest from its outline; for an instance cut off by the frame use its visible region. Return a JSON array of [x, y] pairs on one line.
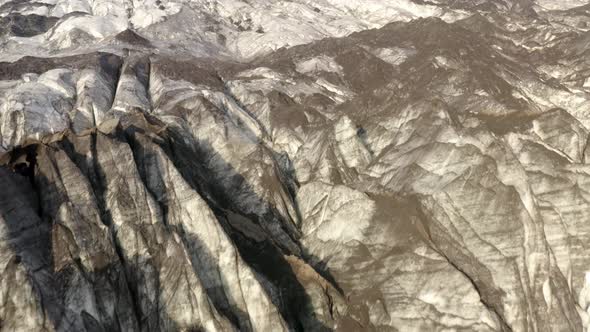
[[584, 297], [96, 26], [547, 293], [561, 4], [261, 72], [150, 13], [321, 63], [395, 56], [340, 92], [349, 222]]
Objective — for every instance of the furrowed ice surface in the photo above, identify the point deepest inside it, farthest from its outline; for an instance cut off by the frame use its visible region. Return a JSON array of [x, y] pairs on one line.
[[224, 27], [336, 165]]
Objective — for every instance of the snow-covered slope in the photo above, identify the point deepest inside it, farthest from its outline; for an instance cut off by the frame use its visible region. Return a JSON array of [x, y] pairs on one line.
[[242, 29]]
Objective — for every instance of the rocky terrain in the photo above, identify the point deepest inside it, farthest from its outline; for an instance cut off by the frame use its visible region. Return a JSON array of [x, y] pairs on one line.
[[336, 165]]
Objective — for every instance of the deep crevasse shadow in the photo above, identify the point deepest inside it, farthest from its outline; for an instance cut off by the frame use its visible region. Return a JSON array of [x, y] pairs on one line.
[[267, 260], [31, 235]]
